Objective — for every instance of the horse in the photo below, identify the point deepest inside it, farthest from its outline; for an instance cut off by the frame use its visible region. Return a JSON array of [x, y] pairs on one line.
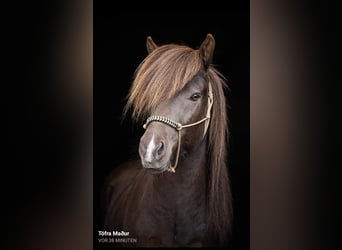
[[178, 194]]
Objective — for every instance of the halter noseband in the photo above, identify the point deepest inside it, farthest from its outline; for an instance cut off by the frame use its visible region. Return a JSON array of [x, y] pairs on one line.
[[179, 126]]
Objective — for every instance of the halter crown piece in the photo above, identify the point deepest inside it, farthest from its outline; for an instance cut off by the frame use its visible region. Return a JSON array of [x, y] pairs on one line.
[[179, 126]]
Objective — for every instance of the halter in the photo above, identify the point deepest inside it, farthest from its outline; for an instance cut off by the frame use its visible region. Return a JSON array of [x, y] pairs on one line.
[[179, 126]]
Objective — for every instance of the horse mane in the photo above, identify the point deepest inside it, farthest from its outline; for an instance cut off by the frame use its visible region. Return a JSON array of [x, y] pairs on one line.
[[219, 193], [162, 74]]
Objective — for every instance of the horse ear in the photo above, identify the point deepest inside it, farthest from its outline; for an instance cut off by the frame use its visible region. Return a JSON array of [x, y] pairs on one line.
[[150, 45], [207, 49]]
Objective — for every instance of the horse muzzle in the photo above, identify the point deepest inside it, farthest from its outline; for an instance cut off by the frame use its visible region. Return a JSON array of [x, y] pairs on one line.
[[154, 152]]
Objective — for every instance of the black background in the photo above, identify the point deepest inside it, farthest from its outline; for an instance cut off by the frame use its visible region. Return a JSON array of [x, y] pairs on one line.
[[119, 47]]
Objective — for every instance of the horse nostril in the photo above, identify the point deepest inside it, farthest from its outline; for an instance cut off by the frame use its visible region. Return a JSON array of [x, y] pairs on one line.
[[160, 148]]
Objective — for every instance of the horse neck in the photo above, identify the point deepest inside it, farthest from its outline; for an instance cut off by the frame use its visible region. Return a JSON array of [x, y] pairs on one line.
[[189, 181], [193, 164]]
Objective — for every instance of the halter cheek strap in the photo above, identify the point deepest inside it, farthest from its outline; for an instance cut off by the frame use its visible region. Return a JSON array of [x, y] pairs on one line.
[[210, 104], [179, 126]]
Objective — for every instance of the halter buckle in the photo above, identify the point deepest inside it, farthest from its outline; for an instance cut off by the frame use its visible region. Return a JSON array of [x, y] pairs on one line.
[[179, 126], [171, 169]]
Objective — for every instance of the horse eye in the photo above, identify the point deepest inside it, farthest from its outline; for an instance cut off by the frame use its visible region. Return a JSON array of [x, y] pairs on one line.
[[195, 96]]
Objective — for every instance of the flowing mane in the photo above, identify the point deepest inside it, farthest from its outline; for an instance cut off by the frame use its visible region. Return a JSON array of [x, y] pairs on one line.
[[164, 73]]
